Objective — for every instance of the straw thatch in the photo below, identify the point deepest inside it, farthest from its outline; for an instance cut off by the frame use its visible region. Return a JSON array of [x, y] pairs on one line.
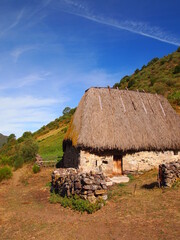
[[122, 120]]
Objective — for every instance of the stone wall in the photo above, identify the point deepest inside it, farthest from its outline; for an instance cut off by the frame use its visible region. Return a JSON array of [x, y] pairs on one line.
[[69, 182], [91, 162], [169, 173], [139, 161], [144, 161]]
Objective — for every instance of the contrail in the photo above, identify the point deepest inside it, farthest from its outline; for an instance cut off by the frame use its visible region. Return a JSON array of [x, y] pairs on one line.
[[139, 28]]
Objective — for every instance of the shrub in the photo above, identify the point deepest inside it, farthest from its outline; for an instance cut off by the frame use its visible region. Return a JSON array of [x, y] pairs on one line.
[[11, 137], [170, 82], [136, 71], [18, 162], [178, 50], [5, 173], [76, 203], [36, 168], [152, 81], [5, 160], [131, 83], [176, 69], [153, 61], [66, 110], [29, 150], [64, 130], [163, 61], [144, 66], [175, 97]]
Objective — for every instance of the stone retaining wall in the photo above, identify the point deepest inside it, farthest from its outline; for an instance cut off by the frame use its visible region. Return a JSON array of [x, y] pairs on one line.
[[88, 186], [169, 173]]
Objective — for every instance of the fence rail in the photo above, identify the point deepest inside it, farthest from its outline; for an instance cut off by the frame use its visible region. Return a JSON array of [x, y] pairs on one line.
[[47, 163]]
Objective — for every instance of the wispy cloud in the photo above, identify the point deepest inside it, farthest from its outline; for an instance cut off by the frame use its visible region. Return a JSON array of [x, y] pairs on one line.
[[14, 23], [26, 80], [141, 28], [43, 4], [19, 114], [16, 53]]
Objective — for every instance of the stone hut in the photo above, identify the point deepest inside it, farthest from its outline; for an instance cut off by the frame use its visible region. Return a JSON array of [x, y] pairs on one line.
[[117, 131]]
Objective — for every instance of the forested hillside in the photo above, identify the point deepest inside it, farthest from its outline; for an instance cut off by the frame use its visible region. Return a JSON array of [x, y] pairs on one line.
[[160, 76]]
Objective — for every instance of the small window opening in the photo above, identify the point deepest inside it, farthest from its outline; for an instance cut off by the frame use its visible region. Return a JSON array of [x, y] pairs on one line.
[[105, 161], [176, 152]]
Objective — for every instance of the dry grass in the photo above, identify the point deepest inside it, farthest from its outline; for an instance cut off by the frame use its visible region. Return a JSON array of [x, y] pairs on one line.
[[111, 119], [50, 133], [150, 213]]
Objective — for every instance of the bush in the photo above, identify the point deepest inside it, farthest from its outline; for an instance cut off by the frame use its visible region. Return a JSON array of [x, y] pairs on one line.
[[4, 160], [76, 203], [11, 137], [18, 162], [36, 168], [131, 83], [163, 61], [136, 71], [5, 173], [178, 50], [29, 150], [152, 81], [153, 61], [175, 97], [176, 69]]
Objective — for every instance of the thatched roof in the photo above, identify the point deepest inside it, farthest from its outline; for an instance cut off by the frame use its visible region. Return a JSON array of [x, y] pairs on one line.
[[123, 120]]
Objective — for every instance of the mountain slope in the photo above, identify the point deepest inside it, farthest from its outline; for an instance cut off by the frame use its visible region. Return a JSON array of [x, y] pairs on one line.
[[3, 139], [160, 76], [50, 137]]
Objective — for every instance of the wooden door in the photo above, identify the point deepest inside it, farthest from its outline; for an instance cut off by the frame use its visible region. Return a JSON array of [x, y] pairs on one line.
[[117, 164]]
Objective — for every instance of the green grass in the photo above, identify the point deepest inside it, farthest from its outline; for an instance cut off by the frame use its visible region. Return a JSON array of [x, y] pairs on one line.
[[51, 147], [76, 203], [36, 168]]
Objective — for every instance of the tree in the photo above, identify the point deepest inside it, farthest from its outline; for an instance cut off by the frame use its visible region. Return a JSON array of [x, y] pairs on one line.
[[29, 150], [11, 137], [27, 134], [66, 110]]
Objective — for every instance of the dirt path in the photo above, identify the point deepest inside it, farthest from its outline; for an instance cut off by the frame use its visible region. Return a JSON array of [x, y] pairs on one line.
[[25, 212]]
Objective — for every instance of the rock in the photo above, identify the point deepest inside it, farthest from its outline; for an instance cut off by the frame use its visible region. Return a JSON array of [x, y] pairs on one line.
[[87, 181], [87, 187], [104, 186], [83, 197], [77, 185], [120, 179], [100, 192], [94, 187], [105, 197], [109, 183], [91, 199]]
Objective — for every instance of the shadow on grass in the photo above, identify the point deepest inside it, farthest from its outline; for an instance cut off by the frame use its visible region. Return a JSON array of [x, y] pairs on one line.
[[151, 185]]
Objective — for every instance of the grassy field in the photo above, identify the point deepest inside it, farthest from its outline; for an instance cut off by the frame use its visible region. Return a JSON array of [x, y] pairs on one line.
[[145, 213], [50, 148]]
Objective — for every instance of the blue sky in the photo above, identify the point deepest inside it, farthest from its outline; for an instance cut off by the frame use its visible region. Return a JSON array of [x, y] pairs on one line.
[[51, 51]]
